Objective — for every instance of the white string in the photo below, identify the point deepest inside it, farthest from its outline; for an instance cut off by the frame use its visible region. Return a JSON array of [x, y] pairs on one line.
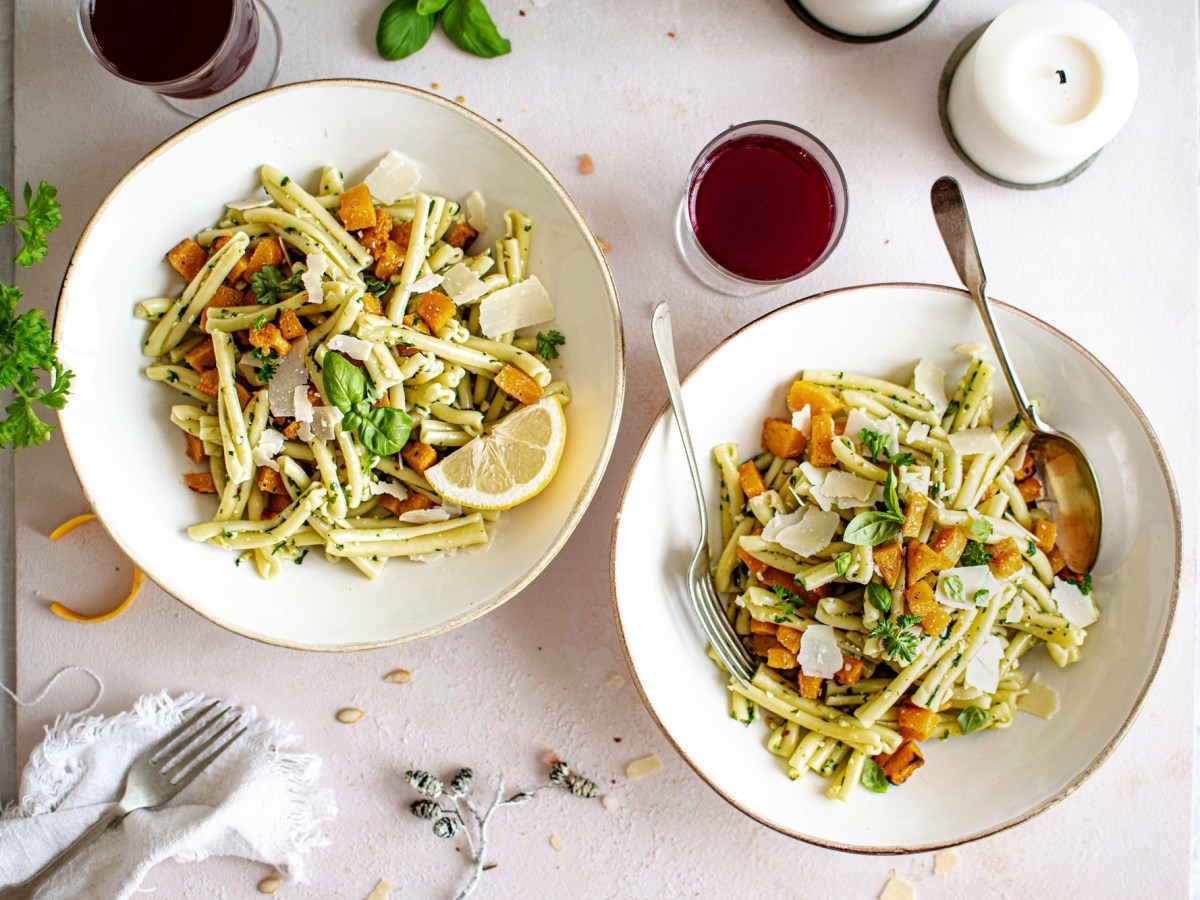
[[50, 684]]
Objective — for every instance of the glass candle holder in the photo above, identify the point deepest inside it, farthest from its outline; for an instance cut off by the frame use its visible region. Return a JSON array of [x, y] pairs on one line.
[[862, 21], [765, 205]]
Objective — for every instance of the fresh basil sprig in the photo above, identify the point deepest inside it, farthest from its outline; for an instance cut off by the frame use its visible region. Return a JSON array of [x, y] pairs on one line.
[[981, 529], [870, 529], [872, 777], [879, 597], [972, 719], [383, 430], [406, 25]]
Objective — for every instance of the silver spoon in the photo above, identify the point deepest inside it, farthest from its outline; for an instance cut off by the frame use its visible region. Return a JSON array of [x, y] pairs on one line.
[[1070, 480]]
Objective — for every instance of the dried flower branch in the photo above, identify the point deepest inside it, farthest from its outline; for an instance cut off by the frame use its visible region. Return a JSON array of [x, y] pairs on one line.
[[449, 820]]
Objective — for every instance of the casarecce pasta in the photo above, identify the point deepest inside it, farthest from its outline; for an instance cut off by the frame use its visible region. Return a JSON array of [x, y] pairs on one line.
[[330, 348], [889, 558]]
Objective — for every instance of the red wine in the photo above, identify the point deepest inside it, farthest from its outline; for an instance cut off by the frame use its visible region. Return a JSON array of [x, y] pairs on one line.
[[160, 41], [762, 208]]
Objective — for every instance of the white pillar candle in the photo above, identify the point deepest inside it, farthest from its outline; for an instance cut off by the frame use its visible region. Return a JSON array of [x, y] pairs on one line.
[[865, 18], [1047, 84]]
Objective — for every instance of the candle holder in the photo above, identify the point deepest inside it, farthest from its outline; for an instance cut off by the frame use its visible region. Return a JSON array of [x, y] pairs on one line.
[[956, 57], [798, 7]]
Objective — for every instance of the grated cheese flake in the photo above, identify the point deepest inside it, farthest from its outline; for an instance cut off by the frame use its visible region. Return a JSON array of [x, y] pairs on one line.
[[249, 203], [1073, 604], [897, 889], [426, 283], [819, 654], [375, 488], [302, 408], [917, 431], [915, 479], [640, 768], [516, 306], [973, 580], [394, 176], [945, 862], [381, 891], [462, 285], [324, 422], [802, 420], [316, 265], [983, 671], [857, 420], [353, 347], [1039, 699], [425, 516], [291, 374], [476, 211], [812, 534], [974, 441], [846, 484], [267, 448], [781, 521], [930, 382], [557, 843]]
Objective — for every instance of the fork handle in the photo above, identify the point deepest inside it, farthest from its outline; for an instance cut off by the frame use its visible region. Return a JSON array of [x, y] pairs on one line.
[[29, 887]]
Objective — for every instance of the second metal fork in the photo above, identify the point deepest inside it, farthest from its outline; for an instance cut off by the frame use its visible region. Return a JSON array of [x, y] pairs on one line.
[[154, 778], [707, 605]]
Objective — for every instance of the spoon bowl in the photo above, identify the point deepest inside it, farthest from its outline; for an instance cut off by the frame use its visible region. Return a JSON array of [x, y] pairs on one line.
[[1068, 475]]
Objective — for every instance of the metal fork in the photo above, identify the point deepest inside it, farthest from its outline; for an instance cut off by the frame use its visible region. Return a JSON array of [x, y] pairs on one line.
[[154, 778], [707, 605]]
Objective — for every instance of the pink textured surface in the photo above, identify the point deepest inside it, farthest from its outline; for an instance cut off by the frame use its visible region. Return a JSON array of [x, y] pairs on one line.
[[539, 673]]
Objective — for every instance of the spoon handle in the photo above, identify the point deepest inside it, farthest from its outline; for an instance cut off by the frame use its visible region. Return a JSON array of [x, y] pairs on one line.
[[950, 211], [660, 326]]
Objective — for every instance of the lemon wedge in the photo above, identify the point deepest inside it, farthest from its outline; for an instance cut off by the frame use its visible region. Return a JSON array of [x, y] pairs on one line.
[[510, 464]]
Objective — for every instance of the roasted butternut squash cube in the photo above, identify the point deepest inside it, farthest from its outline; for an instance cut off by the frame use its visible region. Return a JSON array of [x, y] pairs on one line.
[[401, 234], [789, 637], [781, 439], [780, 657], [460, 235], [818, 398], [820, 448], [202, 356], [201, 482], [809, 685], [1030, 488], [267, 252], [418, 456], [919, 599], [435, 310], [372, 305], [187, 258], [414, 501], [389, 261], [276, 503], [935, 621], [239, 268], [209, 382], [289, 325], [355, 208], [243, 395], [889, 557], [914, 515], [949, 542], [756, 566], [761, 643], [291, 430], [518, 384], [850, 672], [1057, 561], [1027, 468], [1006, 558], [899, 766], [195, 448], [269, 481], [921, 561], [222, 298], [757, 626], [751, 479], [269, 338], [917, 724], [412, 320], [375, 237], [1045, 533]]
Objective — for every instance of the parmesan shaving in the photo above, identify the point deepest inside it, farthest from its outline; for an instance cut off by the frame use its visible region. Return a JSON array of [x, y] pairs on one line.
[[267, 448], [517, 306], [462, 285], [394, 176], [302, 408], [812, 534], [316, 265], [291, 374], [974, 441], [557, 843], [249, 203], [917, 431], [476, 211], [324, 422], [802, 420], [930, 382], [816, 478], [376, 488], [973, 580], [1073, 604], [857, 420], [819, 654], [1039, 699], [424, 516], [898, 889], [983, 672], [972, 350], [426, 283], [640, 768], [945, 862], [845, 484], [356, 348], [915, 479], [381, 891]]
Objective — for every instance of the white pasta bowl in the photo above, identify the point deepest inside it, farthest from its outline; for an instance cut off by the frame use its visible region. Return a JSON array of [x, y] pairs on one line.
[[129, 456], [969, 787]]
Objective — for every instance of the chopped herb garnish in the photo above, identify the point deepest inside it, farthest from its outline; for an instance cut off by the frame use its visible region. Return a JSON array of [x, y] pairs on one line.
[[841, 564], [975, 554], [548, 344], [269, 283], [270, 364], [259, 321], [981, 529], [897, 640], [953, 587], [877, 444], [973, 718], [980, 597]]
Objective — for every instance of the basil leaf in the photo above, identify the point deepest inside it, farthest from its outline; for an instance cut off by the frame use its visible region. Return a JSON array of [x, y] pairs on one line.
[[981, 529], [890, 500], [879, 597], [344, 382], [953, 587], [972, 719], [872, 777], [403, 29], [429, 7], [870, 529], [468, 25], [841, 565], [384, 431]]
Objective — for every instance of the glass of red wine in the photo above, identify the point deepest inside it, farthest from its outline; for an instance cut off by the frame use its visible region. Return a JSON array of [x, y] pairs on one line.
[[765, 205], [197, 57]]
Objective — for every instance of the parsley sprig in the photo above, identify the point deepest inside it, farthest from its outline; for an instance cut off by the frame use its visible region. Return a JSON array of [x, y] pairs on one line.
[[876, 445], [27, 349], [269, 283], [898, 642], [548, 344]]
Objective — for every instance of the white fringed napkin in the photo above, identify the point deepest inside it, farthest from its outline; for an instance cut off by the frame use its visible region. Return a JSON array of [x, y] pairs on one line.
[[256, 802]]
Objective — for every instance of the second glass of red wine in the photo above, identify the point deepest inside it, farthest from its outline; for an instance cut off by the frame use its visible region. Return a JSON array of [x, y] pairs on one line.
[[765, 205], [197, 57]]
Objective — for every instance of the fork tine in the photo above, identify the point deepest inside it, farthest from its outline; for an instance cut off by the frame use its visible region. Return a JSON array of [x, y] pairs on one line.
[[183, 726], [203, 764], [179, 761], [739, 660]]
